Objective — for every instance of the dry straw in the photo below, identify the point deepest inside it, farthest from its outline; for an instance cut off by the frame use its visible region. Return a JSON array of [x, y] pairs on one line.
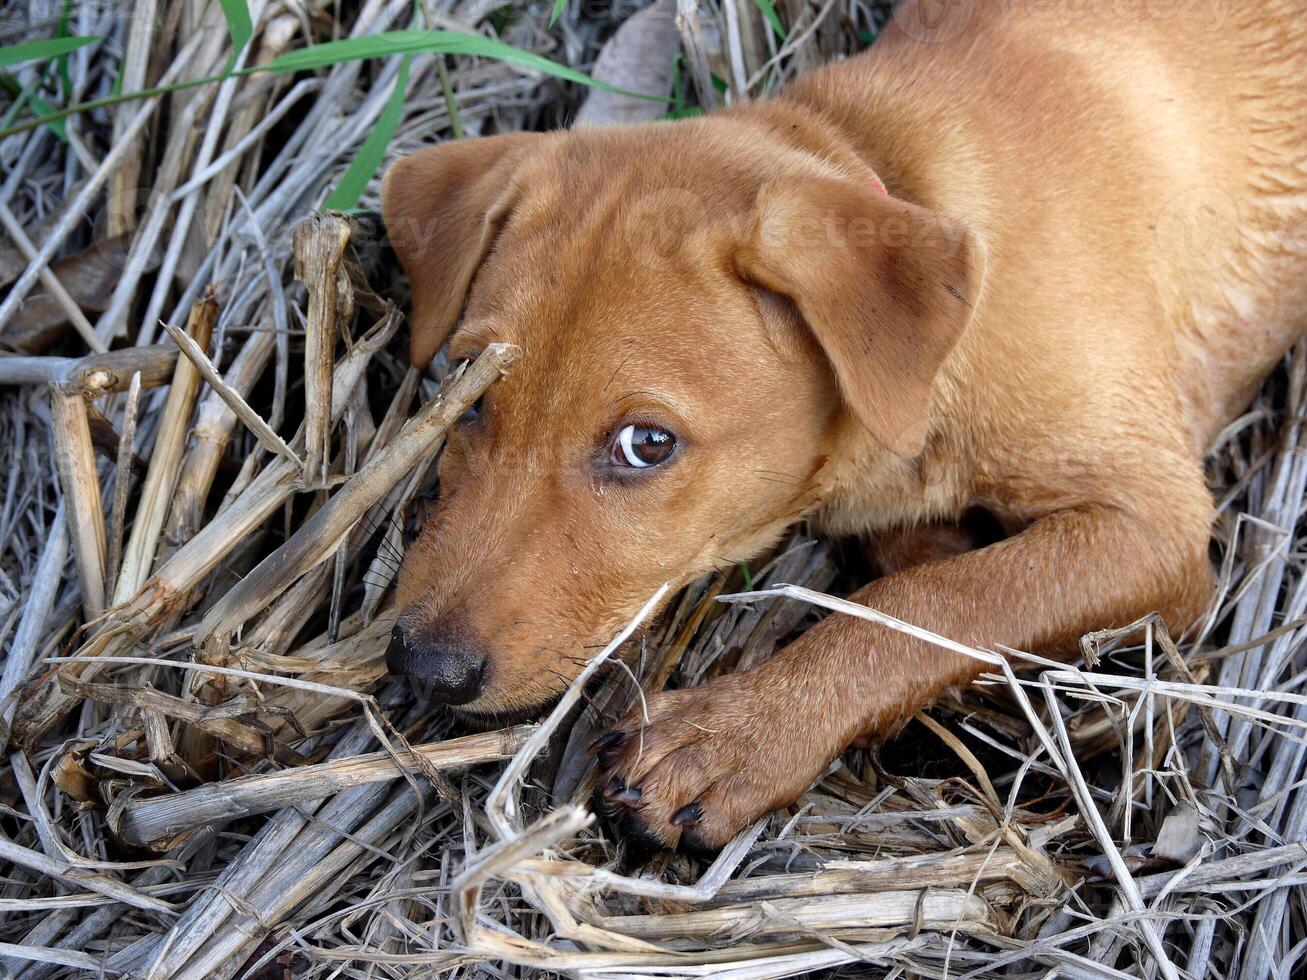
[[207, 772]]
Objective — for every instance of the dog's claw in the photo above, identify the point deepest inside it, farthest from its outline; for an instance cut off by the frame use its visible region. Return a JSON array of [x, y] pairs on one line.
[[688, 815], [618, 792], [606, 742]]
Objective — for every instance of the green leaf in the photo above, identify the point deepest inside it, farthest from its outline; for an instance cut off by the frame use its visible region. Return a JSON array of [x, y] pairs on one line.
[[14, 54], [65, 79], [239, 26], [769, 12], [364, 168], [45, 110], [40, 108], [559, 7], [678, 83], [432, 42]]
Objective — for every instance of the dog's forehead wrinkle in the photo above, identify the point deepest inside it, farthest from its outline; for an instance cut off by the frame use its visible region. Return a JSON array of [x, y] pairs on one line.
[[604, 183]]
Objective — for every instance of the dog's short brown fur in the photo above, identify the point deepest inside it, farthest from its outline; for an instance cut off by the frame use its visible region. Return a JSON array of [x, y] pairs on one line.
[[1092, 249]]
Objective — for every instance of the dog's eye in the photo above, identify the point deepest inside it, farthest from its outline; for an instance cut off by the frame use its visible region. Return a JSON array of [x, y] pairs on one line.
[[641, 446]]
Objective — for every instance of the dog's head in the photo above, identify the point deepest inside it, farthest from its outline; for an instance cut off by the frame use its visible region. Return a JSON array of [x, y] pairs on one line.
[[707, 314]]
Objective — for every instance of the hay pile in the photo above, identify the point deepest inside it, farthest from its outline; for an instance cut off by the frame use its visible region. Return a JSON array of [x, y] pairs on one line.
[[208, 773]]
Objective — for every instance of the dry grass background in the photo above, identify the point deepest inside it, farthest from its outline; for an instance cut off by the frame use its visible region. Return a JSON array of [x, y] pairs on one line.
[[207, 773]]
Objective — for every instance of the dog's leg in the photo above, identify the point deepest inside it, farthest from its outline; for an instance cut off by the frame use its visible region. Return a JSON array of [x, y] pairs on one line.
[[706, 761], [901, 548]]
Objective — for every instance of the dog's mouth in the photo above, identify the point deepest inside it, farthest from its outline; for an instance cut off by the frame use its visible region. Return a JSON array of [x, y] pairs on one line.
[[486, 719]]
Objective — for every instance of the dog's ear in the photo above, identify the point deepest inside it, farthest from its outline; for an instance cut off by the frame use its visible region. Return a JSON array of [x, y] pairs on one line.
[[443, 207], [886, 288]]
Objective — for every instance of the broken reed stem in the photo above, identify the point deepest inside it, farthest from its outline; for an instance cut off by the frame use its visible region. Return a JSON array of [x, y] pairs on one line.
[[166, 459], [252, 419], [215, 424], [322, 533], [148, 820], [320, 243], [147, 699], [132, 78], [184, 571], [45, 584], [938, 909], [93, 375], [170, 586], [123, 477], [75, 462]]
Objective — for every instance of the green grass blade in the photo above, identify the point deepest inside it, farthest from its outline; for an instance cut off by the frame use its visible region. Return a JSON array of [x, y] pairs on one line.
[[354, 49], [433, 42], [559, 7], [14, 54], [364, 168], [769, 12], [45, 110], [239, 26], [63, 30], [22, 98]]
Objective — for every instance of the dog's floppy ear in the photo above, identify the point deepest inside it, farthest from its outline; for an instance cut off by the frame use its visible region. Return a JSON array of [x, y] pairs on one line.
[[443, 207], [886, 288]]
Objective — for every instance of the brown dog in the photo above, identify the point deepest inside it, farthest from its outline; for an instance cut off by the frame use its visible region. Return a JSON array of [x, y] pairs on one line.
[[1092, 250]]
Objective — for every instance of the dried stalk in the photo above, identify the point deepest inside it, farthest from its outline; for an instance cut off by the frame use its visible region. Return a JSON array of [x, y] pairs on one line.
[[319, 253], [79, 877], [95, 374], [45, 582], [136, 62], [146, 821], [123, 477], [166, 460], [262, 431], [242, 737], [215, 423], [174, 581], [940, 909], [75, 459]]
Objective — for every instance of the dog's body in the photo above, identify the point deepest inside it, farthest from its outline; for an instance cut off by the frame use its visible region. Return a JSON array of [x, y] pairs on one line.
[[1092, 250]]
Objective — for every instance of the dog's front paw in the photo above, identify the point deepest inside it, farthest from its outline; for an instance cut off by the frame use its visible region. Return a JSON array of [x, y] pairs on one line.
[[708, 761]]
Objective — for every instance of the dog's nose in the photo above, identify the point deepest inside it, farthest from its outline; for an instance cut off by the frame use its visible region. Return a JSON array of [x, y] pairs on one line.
[[437, 669]]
